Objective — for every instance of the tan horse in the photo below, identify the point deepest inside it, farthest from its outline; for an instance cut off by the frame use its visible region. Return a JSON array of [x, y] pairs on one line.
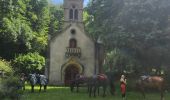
[[155, 82]]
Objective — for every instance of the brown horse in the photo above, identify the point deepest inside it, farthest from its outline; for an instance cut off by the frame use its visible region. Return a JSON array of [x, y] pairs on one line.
[[97, 81], [155, 82], [79, 79]]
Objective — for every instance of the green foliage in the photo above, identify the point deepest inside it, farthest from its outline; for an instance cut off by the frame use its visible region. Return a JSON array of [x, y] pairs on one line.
[[5, 66], [120, 61], [9, 88], [29, 63], [137, 27], [24, 26], [56, 19]]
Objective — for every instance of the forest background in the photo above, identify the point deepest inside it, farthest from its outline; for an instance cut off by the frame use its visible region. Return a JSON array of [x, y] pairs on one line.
[[135, 33]]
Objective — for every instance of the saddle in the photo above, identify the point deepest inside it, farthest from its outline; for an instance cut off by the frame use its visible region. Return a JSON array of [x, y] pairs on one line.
[[101, 77], [145, 78]]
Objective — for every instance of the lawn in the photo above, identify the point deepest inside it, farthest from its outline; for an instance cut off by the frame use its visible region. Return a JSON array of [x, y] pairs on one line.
[[63, 93]]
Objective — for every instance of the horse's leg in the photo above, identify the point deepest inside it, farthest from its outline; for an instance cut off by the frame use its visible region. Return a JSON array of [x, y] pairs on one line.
[[162, 95], [162, 92], [45, 88], [98, 90], [72, 86], [40, 88], [90, 89], [104, 91], [94, 91], [143, 93], [24, 86], [113, 89], [32, 88], [141, 90], [77, 87]]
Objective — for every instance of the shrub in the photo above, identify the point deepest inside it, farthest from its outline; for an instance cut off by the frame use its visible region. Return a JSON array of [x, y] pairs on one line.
[[29, 63], [5, 66], [9, 88], [120, 61]]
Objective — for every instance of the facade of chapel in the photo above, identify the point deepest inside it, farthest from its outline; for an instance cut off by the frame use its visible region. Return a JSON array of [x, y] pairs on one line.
[[72, 52]]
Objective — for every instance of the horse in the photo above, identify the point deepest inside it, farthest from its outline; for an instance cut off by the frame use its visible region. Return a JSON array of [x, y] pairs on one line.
[[37, 79], [80, 79], [155, 82], [97, 81]]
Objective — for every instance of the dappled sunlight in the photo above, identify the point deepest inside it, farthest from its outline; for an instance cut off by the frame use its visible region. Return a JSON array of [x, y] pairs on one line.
[[49, 87]]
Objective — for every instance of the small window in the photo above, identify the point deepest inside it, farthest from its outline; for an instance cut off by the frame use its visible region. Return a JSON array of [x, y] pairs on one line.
[[73, 43], [71, 14], [76, 14]]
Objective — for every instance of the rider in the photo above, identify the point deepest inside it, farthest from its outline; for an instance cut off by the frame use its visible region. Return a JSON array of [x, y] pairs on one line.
[[123, 86]]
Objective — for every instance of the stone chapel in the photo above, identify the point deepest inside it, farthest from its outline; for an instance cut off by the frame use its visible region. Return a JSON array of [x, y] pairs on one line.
[[71, 51]]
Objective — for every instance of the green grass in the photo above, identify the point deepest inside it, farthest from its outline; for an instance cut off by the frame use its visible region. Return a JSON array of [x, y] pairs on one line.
[[63, 93]]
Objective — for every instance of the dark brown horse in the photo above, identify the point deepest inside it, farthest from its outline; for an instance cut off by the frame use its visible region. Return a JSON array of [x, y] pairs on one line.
[[79, 80], [97, 81], [155, 82]]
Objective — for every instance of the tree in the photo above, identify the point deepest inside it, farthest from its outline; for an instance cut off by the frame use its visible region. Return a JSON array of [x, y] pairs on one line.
[[138, 27], [23, 27], [29, 63], [39, 16], [56, 19], [5, 66]]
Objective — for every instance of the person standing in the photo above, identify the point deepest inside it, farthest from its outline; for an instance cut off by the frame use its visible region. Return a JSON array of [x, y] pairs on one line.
[[22, 80], [123, 86]]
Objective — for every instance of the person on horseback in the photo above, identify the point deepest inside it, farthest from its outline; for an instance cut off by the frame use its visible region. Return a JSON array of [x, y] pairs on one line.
[[123, 86]]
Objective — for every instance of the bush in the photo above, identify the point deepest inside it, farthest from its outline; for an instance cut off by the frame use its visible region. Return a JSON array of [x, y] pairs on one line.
[[9, 88], [29, 63], [120, 61], [5, 66]]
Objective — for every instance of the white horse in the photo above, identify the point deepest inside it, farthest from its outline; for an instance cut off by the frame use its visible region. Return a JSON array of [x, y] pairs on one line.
[[37, 79]]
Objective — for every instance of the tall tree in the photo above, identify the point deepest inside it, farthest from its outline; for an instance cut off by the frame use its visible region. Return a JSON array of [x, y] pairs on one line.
[[56, 19], [14, 29], [23, 27], [138, 27]]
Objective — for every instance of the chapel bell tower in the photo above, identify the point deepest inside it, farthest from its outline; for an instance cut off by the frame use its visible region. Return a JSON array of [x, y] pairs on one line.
[[73, 11], [71, 50]]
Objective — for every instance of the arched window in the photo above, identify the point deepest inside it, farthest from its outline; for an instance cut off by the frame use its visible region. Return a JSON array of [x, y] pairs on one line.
[[76, 14], [72, 43], [71, 14]]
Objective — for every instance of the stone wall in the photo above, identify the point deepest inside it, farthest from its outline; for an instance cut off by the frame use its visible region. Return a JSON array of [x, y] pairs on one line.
[[58, 47]]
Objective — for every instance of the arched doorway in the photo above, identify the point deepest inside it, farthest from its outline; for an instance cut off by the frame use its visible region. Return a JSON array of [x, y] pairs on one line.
[[70, 73]]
